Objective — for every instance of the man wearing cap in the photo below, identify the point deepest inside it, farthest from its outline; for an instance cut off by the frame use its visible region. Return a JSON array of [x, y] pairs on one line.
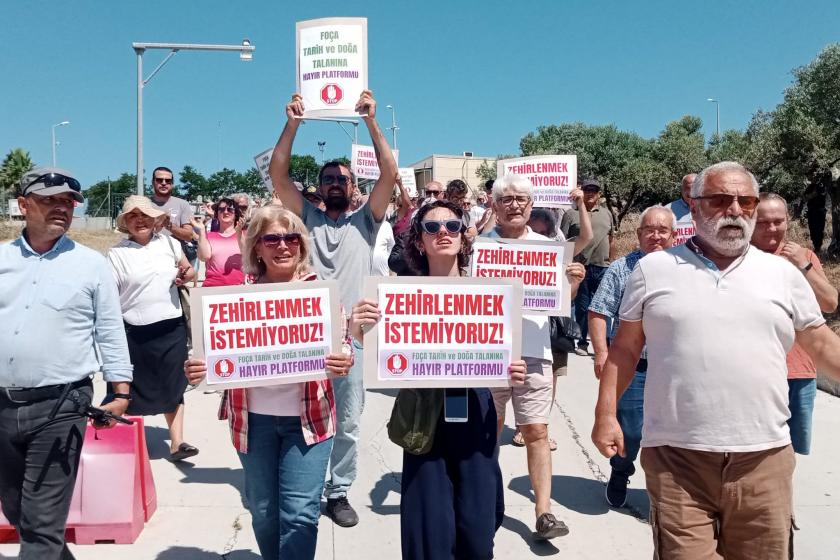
[[311, 194], [65, 300], [718, 317], [680, 208], [595, 256], [342, 242]]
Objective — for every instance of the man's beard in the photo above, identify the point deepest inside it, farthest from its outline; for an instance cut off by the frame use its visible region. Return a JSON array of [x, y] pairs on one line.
[[339, 203], [727, 242]]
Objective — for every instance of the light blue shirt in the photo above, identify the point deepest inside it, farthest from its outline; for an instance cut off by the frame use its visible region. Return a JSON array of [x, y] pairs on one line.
[[681, 210], [60, 318]]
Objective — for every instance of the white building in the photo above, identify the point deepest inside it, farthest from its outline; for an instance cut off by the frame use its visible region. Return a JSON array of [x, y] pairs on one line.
[[444, 168]]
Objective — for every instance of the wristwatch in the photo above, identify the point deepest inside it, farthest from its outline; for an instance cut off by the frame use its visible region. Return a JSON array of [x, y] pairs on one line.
[[806, 268]]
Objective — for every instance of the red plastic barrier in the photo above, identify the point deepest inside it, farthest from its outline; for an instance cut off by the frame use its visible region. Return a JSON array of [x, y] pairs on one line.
[[114, 493]]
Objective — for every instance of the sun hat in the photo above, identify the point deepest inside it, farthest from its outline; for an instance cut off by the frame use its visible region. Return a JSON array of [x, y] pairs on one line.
[[137, 202]]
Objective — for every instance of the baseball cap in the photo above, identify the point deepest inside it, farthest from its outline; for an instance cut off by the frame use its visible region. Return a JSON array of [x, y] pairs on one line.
[[312, 190], [590, 185], [47, 181]]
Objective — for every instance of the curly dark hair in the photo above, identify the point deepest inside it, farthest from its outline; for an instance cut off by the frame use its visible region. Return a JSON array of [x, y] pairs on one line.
[[237, 213], [419, 262]]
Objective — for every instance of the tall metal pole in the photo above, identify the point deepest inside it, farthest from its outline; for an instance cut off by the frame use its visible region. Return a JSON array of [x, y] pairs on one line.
[[139, 120], [53, 144], [717, 107], [393, 127]]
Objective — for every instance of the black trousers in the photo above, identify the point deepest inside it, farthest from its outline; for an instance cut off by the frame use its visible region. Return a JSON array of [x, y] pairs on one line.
[[452, 497], [38, 465]]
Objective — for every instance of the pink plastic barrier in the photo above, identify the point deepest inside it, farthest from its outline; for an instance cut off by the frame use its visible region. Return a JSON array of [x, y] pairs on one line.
[[115, 491]]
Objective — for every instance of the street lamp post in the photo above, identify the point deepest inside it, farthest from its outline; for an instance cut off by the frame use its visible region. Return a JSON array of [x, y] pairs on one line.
[[717, 107], [321, 146], [245, 50], [62, 123], [394, 128]]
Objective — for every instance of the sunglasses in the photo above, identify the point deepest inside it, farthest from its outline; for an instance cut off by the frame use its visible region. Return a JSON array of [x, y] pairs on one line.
[[432, 227], [330, 179], [243, 207], [722, 201], [164, 181], [226, 210], [56, 180], [434, 193], [272, 240]]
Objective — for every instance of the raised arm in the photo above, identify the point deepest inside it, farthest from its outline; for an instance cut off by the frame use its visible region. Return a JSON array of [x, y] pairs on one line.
[[585, 225], [405, 199], [380, 196], [278, 167]]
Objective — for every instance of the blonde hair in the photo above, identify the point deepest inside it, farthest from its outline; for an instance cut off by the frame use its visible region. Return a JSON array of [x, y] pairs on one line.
[[262, 219]]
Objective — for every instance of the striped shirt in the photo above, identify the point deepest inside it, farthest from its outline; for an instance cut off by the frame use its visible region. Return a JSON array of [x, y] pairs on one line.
[[317, 404]]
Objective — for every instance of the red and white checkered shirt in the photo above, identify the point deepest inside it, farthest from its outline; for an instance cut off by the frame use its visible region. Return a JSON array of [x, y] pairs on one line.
[[317, 404]]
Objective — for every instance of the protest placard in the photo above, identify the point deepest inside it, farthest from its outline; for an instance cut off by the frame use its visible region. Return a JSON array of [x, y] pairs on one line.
[[553, 177], [408, 180], [540, 264], [685, 229], [442, 332], [262, 160], [364, 164], [265, 334], [332, 65]]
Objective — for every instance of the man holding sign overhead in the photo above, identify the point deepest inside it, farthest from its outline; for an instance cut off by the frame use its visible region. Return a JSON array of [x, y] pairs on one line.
[[342, 244]]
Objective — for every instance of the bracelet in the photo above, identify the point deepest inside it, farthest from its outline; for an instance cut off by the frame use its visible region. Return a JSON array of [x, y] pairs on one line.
[[125, 396], [804, 270]]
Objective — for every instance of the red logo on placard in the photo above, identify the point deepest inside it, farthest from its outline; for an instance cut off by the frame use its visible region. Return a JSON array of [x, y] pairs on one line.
[[223, 368], [331, 94], [396, 364]]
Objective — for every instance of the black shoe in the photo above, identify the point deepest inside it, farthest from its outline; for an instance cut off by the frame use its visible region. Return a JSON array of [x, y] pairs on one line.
[[341, 512], [616, 492], [549, 527]]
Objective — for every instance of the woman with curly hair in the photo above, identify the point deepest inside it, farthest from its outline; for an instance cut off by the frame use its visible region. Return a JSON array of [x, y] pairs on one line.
[[452, 497], [283, 433], [220, 249]]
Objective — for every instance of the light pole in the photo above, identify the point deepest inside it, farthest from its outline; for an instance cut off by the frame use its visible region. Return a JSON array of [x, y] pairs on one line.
[[62, 123], [717, 106], [393, 128], [245, 50], [321, 146]]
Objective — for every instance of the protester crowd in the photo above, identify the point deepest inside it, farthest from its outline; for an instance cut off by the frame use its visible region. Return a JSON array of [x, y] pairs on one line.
[[705, 339]]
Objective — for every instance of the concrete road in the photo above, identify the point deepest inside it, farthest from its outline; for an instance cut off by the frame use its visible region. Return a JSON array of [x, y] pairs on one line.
[[200, 514]]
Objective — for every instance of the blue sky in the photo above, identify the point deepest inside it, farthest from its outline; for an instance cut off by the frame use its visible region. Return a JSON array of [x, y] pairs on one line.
[[470, 76]]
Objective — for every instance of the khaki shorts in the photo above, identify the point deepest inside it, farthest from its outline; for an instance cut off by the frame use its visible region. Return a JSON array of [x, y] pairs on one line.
[[709, 506], [531, 401]]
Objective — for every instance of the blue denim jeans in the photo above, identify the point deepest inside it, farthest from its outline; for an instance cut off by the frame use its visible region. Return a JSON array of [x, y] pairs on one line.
[[801, 396], [630, 415], [586, 291], [284, 478], [349, 403]]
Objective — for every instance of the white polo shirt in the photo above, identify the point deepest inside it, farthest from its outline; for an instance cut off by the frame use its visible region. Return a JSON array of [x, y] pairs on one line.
[[145, 278], [716, 343]]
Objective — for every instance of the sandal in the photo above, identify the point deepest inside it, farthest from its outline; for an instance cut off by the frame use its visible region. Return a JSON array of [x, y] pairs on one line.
[[552, 445], [185, 451], [518, 439], [549, 527]]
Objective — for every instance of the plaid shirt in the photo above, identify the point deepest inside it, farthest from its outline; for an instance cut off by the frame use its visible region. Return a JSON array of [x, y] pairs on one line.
[[317, 404]]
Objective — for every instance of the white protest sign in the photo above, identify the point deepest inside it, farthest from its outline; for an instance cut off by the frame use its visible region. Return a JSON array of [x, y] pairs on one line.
[[553, 177], [265, 334], [443, 332], [332, 65], [408, 180], [262, 160], [364, 164], [685, 229], [540, 264]]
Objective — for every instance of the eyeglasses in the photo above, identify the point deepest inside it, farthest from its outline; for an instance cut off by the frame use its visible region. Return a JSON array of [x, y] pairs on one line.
[[434, 193], [723, 201], [521, 200], [273, 240], [225, 210], [56, 180], [242, 207], [432, 227], [650, 230], [330, 179], [163, 181]]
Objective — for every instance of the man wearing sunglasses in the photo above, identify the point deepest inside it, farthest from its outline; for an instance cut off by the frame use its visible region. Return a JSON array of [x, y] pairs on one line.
[[718, 317], [60, 321], [179, 211], [342, 243]]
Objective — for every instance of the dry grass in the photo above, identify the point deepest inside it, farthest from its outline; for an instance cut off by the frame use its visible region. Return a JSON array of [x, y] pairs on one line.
[[97, 240]]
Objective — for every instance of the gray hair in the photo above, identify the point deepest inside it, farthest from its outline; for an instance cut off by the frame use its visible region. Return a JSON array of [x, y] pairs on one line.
[[657, 208], [516, 182], [237, 196], [771, 196], [700, 180]]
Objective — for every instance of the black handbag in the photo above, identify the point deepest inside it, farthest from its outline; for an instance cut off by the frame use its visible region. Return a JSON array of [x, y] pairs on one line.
[[414, 419], [564, 332]]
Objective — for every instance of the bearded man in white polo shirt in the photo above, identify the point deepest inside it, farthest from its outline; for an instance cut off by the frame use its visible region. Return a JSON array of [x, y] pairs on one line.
[[718, 317]]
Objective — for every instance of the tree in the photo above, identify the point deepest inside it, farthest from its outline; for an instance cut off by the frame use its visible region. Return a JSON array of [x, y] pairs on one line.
[[16, 163], [486, 172], [732, 145], [680, 148], [97, 195], [304, 169]]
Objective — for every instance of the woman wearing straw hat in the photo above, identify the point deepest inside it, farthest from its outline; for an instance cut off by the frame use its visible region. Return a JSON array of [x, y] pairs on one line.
[[149, 267]]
